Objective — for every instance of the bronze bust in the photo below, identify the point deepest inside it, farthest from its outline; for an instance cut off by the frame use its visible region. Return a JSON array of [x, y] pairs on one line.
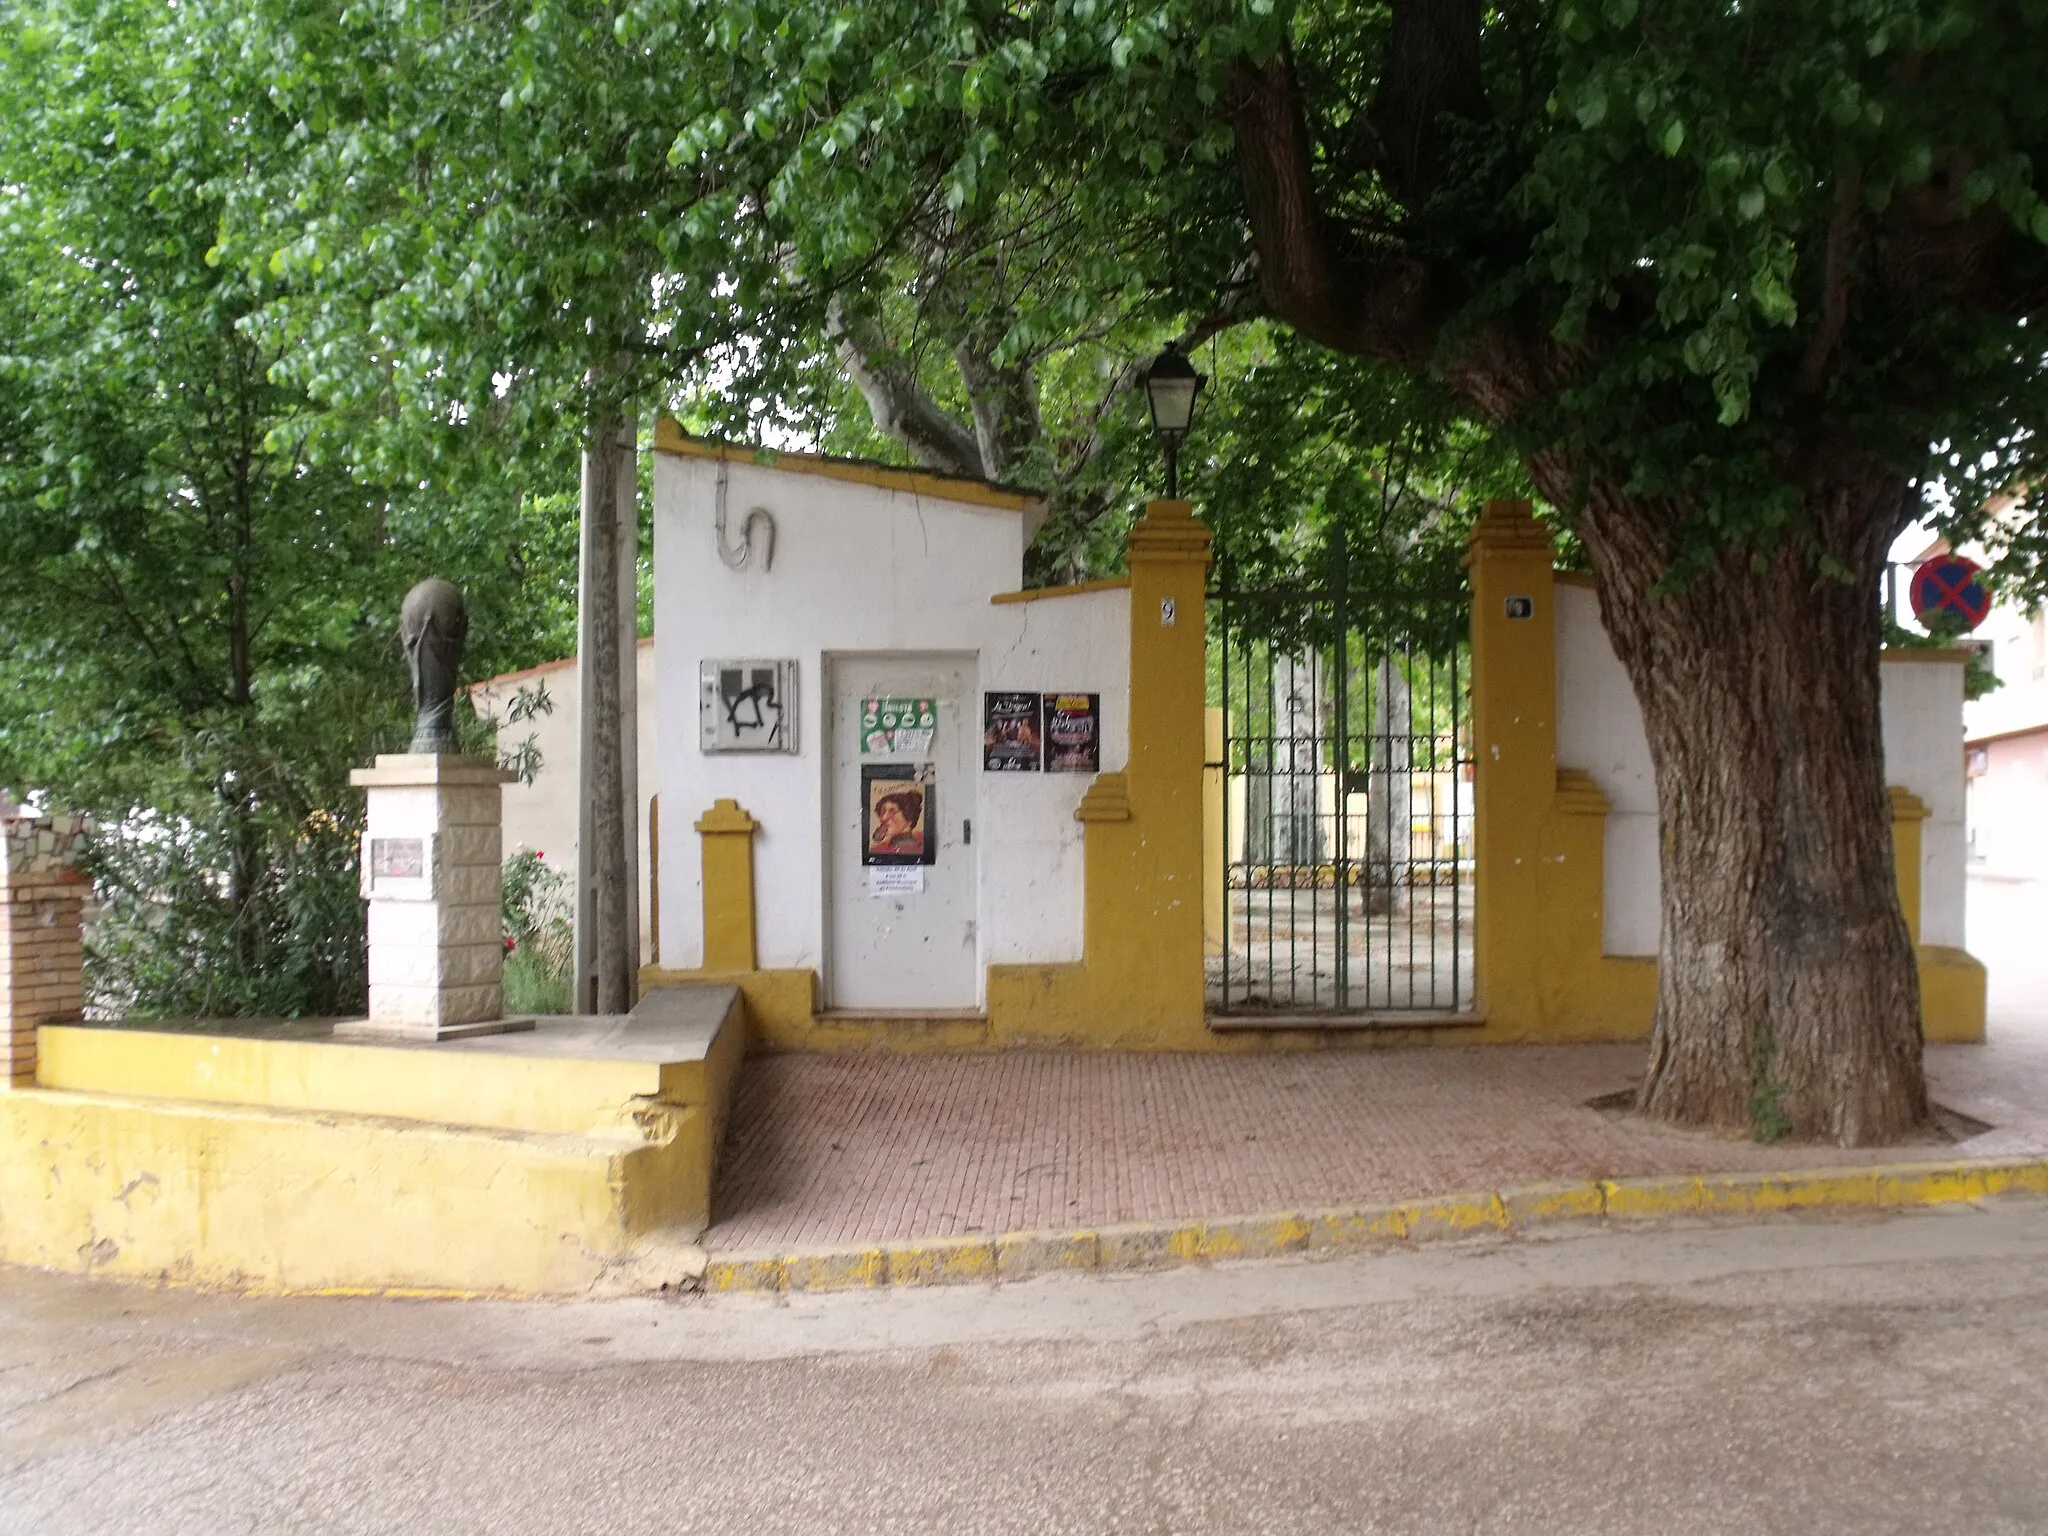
[[432, 627]]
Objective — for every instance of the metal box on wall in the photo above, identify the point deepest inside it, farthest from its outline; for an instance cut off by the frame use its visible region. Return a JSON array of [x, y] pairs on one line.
[[747, 705]]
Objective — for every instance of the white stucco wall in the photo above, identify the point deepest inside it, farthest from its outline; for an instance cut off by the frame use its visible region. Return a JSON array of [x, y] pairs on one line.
[[1923, 752], [542, 816], [861, 568], [1600, 729]]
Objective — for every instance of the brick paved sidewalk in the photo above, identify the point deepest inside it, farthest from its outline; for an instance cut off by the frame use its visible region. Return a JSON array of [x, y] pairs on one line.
[[837, 1149], [834, 1149]]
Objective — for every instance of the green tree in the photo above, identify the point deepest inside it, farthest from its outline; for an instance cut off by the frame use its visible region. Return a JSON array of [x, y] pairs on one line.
[[1722, 278], [196, 615]]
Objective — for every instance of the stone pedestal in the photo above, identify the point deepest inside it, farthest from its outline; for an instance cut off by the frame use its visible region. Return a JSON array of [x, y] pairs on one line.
[[431, 874], [41, 900]]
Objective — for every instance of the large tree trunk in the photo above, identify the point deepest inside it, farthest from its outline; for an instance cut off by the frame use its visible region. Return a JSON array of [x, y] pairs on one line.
[[1788, 1002]]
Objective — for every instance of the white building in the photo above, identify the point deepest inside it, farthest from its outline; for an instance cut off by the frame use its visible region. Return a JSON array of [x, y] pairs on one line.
[[541, 814], [2006, 754], [875, 584]]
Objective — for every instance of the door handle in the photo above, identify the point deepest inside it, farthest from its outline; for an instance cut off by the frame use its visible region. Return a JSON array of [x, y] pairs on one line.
[[967, 833]]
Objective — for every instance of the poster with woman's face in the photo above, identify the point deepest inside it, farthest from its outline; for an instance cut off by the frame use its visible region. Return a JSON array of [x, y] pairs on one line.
[[898, 798]]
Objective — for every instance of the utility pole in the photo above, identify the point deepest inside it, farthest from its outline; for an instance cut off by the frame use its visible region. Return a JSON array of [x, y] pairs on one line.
[[608, 706]]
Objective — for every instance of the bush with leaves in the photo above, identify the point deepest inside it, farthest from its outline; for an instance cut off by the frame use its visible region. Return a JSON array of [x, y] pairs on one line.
[[540, 936]]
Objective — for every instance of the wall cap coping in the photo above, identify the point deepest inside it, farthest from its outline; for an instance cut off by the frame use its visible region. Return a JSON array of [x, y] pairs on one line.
[[1948, 653], [1108, 799], [1070, 589], [669, 437], [1578, 795], [1906, 806], [726, 816], [38, 848], [415, 770], [1507, 527]]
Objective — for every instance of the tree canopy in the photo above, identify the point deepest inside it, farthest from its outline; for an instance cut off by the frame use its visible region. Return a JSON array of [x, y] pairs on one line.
[[1732, 287], [197, 614]]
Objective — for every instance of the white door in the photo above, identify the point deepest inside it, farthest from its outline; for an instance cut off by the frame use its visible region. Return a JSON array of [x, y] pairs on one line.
[[902, 932]]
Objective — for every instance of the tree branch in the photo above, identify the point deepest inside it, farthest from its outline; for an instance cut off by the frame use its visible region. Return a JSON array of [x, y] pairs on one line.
[[1432, 71], [1370, 300], [1834, 303], [899, 404]]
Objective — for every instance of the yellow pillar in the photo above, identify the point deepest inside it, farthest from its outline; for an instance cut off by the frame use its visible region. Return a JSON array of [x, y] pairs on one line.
[[1144, 880], [1908, 811], [727, 836], [1514, 743], [1213, 856]]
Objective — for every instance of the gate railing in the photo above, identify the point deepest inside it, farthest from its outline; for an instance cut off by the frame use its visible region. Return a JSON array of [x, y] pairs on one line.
[[1348, 803]]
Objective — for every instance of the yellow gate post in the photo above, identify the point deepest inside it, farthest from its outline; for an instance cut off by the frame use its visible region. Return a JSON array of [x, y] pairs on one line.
[[727, 835]]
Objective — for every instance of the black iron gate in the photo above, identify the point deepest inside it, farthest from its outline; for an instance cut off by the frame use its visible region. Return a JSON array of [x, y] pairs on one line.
[[1346, 781]]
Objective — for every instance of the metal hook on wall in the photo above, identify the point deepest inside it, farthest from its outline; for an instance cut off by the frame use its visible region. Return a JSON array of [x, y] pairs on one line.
[[736, 555]]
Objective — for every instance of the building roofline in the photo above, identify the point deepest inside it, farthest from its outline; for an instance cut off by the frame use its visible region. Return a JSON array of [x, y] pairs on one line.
[[669, 437], [535, 671]]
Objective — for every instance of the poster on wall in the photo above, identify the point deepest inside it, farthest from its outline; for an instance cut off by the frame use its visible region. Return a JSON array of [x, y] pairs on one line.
[[898, 814], [896, 880], [1009, 732], [1073, 733], [898, 727]]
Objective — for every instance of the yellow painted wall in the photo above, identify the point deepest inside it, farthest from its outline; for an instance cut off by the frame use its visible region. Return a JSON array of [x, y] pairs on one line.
[[317, 1165], [242, 1196], [1139, 984], [1153, 873], [1540, 832], [1542, 828]]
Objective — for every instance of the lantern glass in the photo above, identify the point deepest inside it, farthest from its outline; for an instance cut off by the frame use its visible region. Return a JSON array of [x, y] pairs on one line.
[[1171, 385]]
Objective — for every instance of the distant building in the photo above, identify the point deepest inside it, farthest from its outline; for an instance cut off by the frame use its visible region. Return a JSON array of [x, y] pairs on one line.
[[541, 815], [2005, 754], [2005, 751]]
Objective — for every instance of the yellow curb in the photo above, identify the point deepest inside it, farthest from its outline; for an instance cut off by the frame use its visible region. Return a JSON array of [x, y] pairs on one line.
[[839, 1269], [942, 1261], [1020, 1255], [1358, 1229]]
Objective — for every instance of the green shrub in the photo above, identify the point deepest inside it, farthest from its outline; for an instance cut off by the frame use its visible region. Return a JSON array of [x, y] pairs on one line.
[[540, 936]]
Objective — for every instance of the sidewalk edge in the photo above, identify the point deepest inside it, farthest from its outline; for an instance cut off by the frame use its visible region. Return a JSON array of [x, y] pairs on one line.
[[1335, 1230]]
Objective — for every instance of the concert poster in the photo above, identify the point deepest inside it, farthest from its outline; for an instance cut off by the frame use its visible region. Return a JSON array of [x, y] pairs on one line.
[[1009, 735], [1073, 733]]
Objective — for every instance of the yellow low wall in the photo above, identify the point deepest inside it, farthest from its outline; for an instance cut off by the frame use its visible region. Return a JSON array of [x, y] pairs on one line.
[[322, 1166], [247, 1198]]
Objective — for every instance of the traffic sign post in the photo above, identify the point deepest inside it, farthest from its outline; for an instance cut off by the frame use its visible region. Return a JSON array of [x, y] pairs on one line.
[[1948, 593]]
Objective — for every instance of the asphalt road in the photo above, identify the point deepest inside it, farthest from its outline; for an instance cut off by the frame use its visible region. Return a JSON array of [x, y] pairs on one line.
[[1807, 1375]]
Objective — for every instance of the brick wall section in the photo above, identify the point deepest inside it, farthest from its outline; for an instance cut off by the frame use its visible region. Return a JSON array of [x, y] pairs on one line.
[[42, 901]]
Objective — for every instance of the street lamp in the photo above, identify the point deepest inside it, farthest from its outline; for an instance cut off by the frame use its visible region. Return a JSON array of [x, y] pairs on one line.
[[1171, 385]]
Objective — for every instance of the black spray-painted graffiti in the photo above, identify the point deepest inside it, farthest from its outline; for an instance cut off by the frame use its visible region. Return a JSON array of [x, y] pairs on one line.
[[751, 703]]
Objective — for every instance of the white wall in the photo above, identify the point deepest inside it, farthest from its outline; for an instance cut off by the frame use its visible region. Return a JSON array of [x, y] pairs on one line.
[[542, 815], [1600, 729], [1923, 752], [863, 568], [2019, 659]]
